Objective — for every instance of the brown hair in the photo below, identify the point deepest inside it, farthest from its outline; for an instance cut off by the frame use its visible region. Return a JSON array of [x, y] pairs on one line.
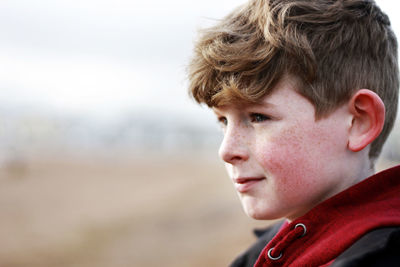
[[334, 47]]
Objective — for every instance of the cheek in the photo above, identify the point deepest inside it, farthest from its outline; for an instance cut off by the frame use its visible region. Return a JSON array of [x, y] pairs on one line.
[[293, 158], [282, 152]]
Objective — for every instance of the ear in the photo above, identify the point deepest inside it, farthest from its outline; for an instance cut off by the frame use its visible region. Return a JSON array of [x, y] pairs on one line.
[[368, 115]]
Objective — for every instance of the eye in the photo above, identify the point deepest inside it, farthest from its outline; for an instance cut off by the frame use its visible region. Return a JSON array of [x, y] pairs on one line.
[[223, 121], [257, 117]]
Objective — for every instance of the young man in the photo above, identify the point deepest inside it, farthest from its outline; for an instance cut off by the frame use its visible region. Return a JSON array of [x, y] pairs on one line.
[[306, 93]]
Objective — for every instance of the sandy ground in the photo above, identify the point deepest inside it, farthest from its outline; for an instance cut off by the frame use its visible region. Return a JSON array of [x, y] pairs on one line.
[[126, 211]]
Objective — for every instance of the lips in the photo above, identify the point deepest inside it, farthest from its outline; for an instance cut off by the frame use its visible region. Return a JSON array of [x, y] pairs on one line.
[[245, 184]]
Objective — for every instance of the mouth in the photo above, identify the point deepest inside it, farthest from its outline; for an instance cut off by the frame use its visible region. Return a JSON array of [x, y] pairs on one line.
[[247, 183]]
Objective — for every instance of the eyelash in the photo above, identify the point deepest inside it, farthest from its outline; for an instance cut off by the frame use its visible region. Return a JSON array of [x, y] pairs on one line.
[[223, 121], [254, 118], [257, 117]]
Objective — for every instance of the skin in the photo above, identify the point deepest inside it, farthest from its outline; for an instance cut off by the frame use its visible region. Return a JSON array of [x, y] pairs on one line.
[[283, 161]]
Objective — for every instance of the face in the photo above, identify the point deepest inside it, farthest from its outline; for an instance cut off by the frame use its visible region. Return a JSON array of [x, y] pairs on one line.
[[281, 160]]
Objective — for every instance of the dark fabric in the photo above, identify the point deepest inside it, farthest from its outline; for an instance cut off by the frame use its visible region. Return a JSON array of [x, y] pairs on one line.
[[380, 247], [358, 227], [249, 257]]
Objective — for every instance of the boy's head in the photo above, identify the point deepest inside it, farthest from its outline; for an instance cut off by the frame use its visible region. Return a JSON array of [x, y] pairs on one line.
[[333, 48], [300, 88], [283, 162]]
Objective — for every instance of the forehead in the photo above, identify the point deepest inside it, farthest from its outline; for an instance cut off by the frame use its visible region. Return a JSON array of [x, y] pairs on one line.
[[283, 96]]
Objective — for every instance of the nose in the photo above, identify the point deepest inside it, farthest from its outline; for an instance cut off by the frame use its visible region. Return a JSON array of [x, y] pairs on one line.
[[233, 148]]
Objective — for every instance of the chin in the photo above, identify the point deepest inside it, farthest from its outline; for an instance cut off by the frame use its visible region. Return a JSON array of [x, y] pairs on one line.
[[262, 214], [258, 210]]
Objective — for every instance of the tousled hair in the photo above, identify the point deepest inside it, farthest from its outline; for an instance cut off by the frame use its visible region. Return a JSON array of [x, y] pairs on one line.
[[334, 47]]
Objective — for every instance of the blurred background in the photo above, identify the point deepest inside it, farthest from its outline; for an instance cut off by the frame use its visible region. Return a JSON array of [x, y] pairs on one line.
[[104, 159]]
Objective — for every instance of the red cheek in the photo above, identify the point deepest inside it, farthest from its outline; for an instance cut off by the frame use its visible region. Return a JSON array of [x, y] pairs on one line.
[[285, 158]]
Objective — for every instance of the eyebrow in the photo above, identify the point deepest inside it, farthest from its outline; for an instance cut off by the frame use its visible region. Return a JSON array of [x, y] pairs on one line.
[[217, 110], [260, 105]]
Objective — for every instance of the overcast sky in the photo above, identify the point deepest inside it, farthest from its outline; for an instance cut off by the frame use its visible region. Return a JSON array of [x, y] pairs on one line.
[[105, 57]]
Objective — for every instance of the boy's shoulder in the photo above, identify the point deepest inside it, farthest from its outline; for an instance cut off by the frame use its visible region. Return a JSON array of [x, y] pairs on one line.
[[376, 248]]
